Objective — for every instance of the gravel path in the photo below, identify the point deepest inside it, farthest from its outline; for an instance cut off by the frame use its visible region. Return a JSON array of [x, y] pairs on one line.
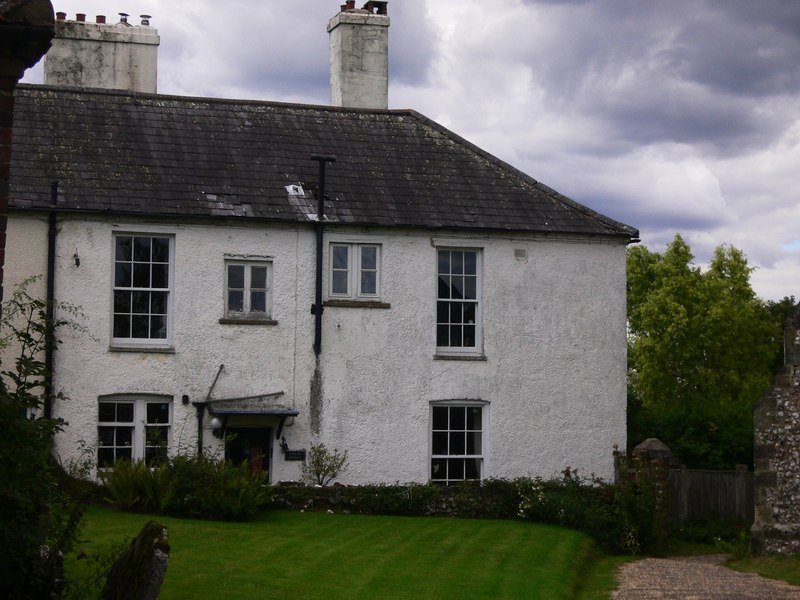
[[696, 577]]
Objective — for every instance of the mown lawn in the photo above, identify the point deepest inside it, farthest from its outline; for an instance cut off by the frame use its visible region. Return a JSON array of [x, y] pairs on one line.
[[785, 568], [321, 555]]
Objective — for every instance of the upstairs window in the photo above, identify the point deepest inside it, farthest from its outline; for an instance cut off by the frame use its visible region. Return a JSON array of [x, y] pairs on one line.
[[248, 290], [458, 309], [142, 289], [355, 271]]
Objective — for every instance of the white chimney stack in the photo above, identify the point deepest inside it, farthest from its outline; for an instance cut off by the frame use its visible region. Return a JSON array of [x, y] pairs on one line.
[[101, 55], [359, 56]]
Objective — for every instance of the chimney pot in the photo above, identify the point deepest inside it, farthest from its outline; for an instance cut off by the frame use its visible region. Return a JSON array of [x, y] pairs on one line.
[[61, 16], [350, 4], [123, 18], [80, 17], [100, 19], [145, 19]]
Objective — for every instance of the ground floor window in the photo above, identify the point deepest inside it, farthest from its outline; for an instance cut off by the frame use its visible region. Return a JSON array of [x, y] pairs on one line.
[[133, 428], [456, 443]]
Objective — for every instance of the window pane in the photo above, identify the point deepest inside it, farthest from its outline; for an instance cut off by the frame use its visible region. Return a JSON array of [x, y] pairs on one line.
[[105, 457], [456, 312], [471, 263], [160, 276], [158, 303], [124, 412], [442, 312], [339, 282], [455, 469], [141, 249], [469, 312], [258, 277], [258, 302], [439, 445], [474, 443], [105, 436], [158, 327], [444, 262], [472, 468], [469, 336], [161, 249], [155, 436], [455, 336], [340, 257], [140, 302], [141, 275], [124, 436], [122, 302], [140, 326], [442, 335], [122, 326], [458, 418], [236, 301], [457, 264], [157, 412], [368, 282], [444, 287], [474, 418], [457, 287], [458, 444], [369, 257], [438, 468], [236, 276], [106, 412], [122, 275], [123, 245], [471, 288], [440, 417], [124, 453]]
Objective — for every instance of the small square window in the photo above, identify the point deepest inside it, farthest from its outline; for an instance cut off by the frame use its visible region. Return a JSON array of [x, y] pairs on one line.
[[248, 290], [355, 271]]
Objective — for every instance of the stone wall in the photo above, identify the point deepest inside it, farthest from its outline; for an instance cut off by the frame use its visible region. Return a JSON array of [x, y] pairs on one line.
[[776, 529]]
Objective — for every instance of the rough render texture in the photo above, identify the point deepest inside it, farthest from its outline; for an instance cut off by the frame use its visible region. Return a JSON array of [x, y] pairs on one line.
[[95, 55], [554, 341], [776, 529]]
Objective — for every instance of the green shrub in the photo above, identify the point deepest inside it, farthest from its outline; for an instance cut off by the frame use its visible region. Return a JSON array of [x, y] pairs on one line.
[[187, 486], [135, 486], [205, 488], [323, 466], [627, 517]]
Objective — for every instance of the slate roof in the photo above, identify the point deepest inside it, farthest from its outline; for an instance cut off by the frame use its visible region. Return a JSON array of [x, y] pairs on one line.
[[130, 153]]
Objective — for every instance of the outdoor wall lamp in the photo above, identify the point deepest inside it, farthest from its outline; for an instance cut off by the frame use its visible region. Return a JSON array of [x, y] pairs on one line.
[[216, 426]]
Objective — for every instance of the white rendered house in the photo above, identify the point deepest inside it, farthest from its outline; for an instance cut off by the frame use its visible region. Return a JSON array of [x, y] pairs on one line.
[[447, 317]]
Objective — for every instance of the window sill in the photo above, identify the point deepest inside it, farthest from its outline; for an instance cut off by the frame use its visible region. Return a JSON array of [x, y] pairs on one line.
[[356, 303], [472, 357], [246, 321], [148, 349]]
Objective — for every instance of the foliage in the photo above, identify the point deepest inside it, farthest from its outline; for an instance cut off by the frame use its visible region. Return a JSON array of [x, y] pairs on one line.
[[626, 518], [187, 486], [40, 509], [323, 466], [702, 348]]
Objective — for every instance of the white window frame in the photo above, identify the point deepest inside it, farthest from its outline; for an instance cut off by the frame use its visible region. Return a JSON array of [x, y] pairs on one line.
[[476, 349], [354, 270], [138, 426], [443, 460], [142, 342], [247, 313]]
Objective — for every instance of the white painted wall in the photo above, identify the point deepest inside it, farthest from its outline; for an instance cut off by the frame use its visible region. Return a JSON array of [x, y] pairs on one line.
[[554, 340]]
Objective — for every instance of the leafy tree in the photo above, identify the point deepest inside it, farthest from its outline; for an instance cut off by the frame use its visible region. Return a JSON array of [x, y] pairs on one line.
[[701, 349], [39, 516]]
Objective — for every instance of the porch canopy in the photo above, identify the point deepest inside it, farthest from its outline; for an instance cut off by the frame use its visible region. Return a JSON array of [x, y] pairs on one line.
[[262, 405]]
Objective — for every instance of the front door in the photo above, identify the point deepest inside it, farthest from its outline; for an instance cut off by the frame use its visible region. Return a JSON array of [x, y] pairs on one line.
[[251, 445]]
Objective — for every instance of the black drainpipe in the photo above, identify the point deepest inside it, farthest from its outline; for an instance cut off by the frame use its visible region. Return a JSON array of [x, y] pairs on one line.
[[49, 348], [317, 308]]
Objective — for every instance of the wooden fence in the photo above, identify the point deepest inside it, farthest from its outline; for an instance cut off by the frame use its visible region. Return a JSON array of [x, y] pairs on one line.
[[694, 494]]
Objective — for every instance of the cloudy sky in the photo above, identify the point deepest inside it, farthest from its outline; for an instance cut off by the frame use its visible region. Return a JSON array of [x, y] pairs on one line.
[[674, 117]]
